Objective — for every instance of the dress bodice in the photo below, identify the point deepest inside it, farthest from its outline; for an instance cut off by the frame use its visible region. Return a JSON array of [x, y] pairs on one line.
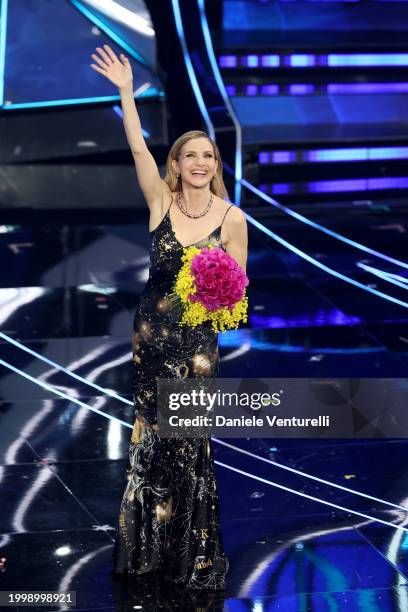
[[165, 262], [166, 250]]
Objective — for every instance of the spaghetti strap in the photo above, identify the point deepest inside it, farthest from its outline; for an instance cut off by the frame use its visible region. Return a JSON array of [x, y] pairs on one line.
[[226, 214]]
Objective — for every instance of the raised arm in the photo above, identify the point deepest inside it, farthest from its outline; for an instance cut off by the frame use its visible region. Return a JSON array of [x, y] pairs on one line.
[[119, 72]]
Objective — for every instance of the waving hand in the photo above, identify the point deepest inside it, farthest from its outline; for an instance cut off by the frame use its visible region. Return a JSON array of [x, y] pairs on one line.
[[117, 70]]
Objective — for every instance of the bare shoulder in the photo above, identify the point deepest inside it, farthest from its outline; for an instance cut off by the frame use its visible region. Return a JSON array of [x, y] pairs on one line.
[[235, 235], [235, 219], [236, 215], [234, 228]]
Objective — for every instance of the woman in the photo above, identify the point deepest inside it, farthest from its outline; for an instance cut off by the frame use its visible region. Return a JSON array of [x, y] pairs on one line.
[[169, 516]]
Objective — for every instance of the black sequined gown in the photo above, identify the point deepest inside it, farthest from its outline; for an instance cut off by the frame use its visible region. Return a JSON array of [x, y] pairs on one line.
[[169, 515]]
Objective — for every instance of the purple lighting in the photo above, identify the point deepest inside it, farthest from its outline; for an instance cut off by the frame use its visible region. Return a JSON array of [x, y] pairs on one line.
[[358, 185], [228, 61], [270, 61], [251, 61], [367, 59], [251, 90], [308, 60], [269, 90], [231, 90], [318, 319], [300, 61], [337, 186], [299, 89], [356, 88], [333, 155], [280, 188], [283, 157]]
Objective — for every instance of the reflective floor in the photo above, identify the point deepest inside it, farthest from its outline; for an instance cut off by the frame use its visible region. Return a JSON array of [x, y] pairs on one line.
[[68, 292]]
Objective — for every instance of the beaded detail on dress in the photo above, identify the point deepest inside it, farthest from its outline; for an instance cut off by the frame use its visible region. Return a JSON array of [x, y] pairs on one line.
[[169, 515]]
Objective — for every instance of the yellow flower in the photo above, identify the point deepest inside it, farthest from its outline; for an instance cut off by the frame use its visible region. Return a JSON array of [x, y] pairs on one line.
[[194, 312]]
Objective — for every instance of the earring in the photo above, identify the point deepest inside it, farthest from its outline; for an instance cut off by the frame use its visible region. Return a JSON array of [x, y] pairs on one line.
[[178, 176]]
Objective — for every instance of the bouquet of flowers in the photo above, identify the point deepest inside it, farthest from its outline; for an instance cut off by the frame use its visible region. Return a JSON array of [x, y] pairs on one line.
[[211, 287]]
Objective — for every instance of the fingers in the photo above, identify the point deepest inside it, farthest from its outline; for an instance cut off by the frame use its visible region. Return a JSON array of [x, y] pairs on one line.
[[98, 60], [110, 53], [101, 70], [104, 55], [105, 58]]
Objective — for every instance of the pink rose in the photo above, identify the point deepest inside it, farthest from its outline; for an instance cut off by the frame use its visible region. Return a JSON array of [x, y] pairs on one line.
[[219, 280]]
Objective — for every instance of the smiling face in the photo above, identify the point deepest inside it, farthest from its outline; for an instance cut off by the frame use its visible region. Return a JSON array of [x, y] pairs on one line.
[[196, 163]]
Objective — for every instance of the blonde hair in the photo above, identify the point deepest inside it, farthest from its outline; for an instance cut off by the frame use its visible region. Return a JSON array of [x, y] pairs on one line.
[[217, 183]]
